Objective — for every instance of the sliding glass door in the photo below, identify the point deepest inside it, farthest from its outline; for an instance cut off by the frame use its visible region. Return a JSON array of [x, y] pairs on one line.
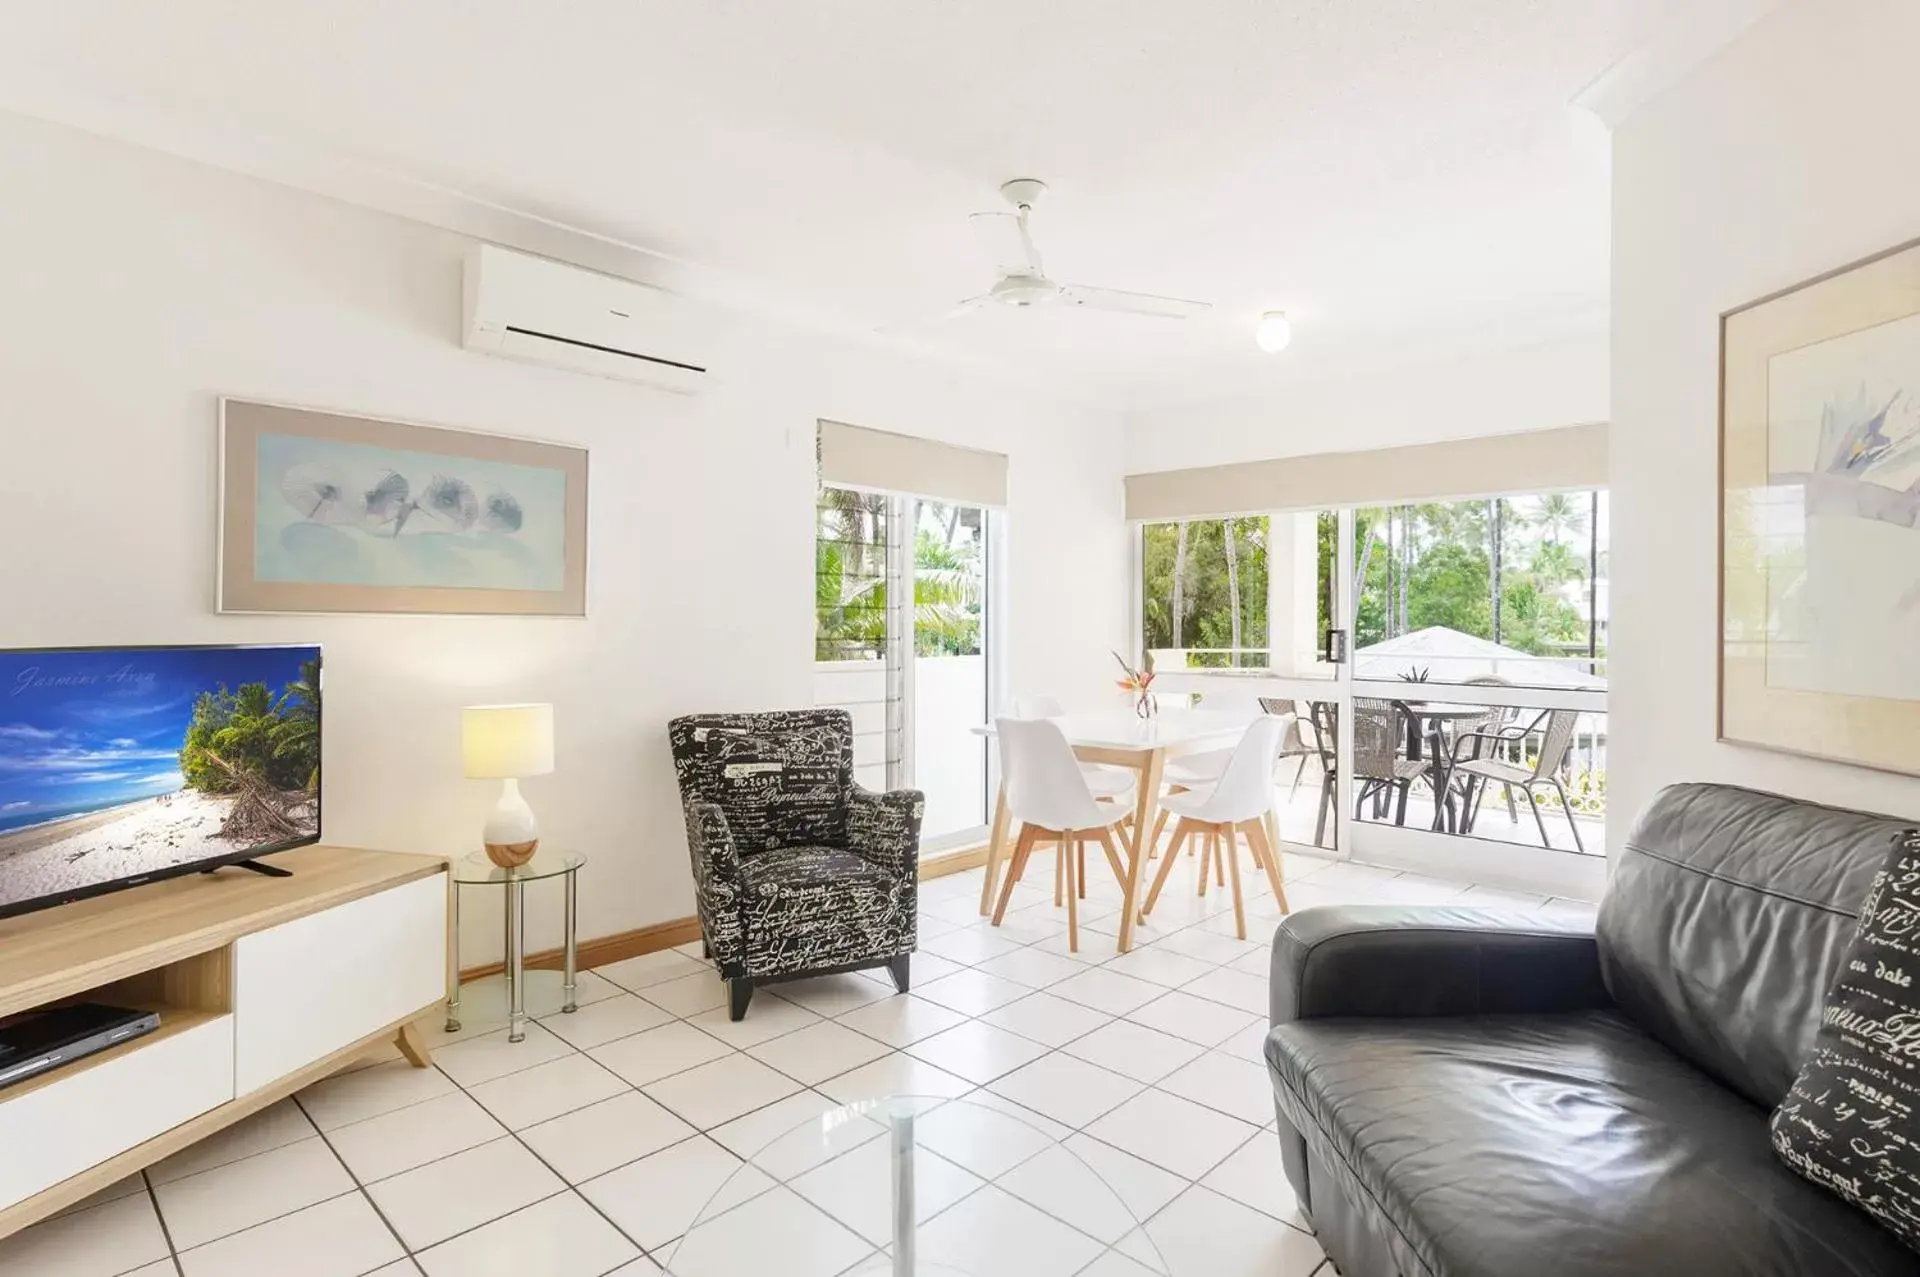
[[1443, 665], [902, 641]]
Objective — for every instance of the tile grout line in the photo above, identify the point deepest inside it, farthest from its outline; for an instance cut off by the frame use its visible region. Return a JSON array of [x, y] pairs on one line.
[[463, 1089]]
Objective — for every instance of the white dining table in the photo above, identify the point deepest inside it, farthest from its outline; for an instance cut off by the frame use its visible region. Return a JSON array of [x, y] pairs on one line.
[[1143, 746]]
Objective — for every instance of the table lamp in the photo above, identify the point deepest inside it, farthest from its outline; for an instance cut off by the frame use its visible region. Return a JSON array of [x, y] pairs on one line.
[[505, 743]]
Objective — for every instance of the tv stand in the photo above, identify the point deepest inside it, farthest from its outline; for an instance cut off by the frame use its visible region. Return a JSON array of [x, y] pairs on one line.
[[263, 985], [265, 871]]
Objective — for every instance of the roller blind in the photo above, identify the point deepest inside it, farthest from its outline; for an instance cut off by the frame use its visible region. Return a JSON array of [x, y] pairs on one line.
[[1534, 461], [856, 457]]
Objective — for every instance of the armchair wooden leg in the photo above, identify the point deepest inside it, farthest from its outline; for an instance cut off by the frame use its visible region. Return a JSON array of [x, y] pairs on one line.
[[739, 993], [898, 969]]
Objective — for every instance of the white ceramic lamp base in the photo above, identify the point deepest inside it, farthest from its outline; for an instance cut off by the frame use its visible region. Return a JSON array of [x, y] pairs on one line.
[[511, 835]]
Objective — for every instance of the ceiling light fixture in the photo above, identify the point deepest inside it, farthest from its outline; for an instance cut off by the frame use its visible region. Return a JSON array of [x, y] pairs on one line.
[[1273, 332]]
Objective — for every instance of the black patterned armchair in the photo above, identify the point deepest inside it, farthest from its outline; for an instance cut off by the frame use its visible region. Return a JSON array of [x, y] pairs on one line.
[[798, 871]]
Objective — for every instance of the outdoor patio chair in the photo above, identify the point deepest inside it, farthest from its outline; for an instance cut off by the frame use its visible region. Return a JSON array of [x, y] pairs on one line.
[[1556, 727], [1295, 744], [1379, 727], [1496, 719]]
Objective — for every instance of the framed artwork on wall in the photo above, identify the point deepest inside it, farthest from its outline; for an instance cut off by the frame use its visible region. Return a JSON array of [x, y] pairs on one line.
[[328, 512], [1820, 517]]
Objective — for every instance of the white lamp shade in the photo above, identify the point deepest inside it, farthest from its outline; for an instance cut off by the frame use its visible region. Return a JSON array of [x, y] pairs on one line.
[[505, 742]]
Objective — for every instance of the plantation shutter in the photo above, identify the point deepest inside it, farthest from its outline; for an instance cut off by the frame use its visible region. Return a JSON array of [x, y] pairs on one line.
[[1535, 461], [880, 461]]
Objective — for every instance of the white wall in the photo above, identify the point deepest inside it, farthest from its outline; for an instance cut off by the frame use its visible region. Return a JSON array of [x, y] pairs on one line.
[[1531, 388], [138, 287], [1788, 155]]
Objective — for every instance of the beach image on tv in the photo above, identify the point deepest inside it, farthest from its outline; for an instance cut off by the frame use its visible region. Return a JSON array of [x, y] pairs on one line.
[[115, 764]]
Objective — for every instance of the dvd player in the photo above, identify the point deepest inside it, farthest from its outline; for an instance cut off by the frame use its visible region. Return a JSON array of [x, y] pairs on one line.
[[36, 1041]]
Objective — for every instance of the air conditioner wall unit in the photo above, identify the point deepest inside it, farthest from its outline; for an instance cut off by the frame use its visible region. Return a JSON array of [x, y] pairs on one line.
[[546, 312]]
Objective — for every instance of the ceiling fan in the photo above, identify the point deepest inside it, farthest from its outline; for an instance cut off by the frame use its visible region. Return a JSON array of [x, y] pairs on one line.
[[1022, 281]]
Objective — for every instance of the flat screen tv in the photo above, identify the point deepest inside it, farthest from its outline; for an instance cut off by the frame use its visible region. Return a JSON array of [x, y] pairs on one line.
[[122, 765]]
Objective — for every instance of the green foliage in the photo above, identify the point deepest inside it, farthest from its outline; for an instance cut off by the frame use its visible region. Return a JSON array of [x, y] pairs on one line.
[[1431, 564], [250, 733], [1207, 586], [850, 585]]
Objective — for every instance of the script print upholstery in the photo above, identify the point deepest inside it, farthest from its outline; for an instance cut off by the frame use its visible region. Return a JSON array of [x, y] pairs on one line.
[[797, 870], [1851, 1121]]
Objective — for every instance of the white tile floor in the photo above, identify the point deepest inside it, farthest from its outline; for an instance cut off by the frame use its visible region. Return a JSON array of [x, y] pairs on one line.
[[587, 1150]]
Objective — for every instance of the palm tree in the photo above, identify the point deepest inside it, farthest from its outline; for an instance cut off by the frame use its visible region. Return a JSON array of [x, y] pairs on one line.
[[1179, 579], [1560, 514], [297, 734], [1233, 587]]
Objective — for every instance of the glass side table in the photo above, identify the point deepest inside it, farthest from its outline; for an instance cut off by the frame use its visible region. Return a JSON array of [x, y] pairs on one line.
[[475, 870]]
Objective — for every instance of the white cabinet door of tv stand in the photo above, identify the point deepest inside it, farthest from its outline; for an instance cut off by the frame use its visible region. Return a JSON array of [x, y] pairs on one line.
[[263, 985]]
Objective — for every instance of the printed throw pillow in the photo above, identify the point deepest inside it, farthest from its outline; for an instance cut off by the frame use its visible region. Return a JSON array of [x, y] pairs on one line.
[[1852, 1120]]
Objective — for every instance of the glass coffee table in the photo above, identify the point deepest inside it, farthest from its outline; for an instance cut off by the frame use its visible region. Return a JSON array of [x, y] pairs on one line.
[[921, 1186]]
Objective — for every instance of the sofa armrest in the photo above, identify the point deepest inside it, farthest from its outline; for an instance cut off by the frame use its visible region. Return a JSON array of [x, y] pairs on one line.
[[884, 829], [1391, 960]]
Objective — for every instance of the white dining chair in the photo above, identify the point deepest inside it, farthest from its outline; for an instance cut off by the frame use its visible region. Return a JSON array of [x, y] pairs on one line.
[[1047, 794], [1235, 805], [1104, 780]]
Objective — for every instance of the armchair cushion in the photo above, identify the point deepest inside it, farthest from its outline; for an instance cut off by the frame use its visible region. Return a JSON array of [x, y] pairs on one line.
[[815, 908]]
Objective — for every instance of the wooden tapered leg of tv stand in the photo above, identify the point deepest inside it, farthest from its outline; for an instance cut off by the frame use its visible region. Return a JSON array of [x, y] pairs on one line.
[[413, 1045]]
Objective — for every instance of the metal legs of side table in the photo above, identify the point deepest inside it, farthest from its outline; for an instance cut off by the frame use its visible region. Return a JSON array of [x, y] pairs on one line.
[[515, 888], [516, 961], [453, 958], [573, 942]]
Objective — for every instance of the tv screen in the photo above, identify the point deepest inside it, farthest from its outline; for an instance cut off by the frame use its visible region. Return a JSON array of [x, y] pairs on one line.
[[121, 765]]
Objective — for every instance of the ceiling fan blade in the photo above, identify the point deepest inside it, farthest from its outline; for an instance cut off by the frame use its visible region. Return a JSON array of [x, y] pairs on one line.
[[972, 303], [1005, 239], [1132, 303]]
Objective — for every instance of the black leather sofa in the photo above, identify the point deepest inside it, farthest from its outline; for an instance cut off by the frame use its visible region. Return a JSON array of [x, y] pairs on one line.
[[1474, 1092]]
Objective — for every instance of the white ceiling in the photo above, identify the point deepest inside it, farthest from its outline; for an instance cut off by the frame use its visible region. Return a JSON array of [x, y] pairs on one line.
[[1406, 177]]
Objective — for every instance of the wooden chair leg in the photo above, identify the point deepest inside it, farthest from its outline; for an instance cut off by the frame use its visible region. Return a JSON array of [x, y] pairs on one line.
[[1269, 856], [1080, 866], [1206, 857], [1181, 832], [1159, 827], [1060, 872], [1222, 848], [1021, 850], [1077, 848], [1233, 867], [1113, 857]]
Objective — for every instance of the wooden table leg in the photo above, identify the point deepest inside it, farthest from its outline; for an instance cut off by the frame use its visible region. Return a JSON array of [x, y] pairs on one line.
[[1143, 812], [996, 849]]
